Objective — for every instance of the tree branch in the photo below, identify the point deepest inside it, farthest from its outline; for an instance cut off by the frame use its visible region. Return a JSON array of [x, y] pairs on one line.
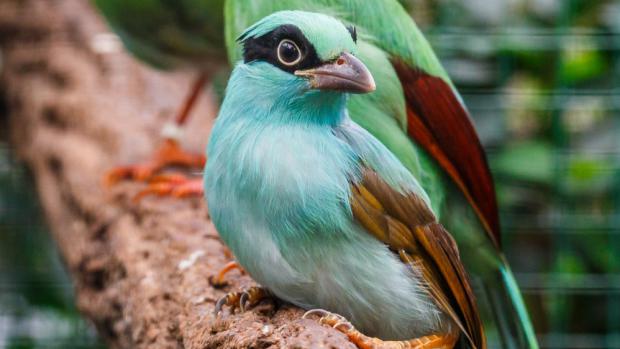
[[140, 270]]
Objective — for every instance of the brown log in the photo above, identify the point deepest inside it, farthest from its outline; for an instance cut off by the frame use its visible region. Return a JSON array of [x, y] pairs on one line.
[[76, 108]]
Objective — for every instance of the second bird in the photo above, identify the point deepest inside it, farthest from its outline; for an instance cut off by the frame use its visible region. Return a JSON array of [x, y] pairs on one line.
[[319, 211]]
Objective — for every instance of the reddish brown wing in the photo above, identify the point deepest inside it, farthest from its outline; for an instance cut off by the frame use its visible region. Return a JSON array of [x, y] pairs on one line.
[[405, 223], [439, 123], [439, 245]]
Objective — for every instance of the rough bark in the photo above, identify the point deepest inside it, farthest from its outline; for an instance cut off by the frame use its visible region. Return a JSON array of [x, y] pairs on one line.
[[140, 270]]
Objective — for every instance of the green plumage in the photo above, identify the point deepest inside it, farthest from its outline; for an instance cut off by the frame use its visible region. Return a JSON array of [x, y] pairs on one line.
[[383, 38], [380, 39], [171, 34], [395, 33]]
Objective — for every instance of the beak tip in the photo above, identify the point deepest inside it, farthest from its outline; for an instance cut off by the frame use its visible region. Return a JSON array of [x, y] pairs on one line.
[[371, 85], [348, 74], [366, 86]]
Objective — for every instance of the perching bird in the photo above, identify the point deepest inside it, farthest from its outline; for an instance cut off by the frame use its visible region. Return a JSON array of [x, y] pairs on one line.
[[317, 209], [418, 115], [170, 35]]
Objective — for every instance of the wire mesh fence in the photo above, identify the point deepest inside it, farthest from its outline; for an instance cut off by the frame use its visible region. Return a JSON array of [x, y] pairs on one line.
[[542, 81]]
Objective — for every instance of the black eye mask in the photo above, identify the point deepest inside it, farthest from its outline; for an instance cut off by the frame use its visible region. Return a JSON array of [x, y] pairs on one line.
[[265, 48]]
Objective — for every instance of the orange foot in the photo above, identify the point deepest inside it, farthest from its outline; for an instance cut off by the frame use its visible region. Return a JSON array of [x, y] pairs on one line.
[[168, 154], [175, 185], [439, 341], [219, 280], [242, 300]]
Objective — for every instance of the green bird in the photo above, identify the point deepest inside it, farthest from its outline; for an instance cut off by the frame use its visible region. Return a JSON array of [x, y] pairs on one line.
[[419, 116], [171, 35], [334, 219]]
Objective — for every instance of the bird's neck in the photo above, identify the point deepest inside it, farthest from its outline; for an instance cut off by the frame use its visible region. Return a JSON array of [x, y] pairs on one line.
[[270, 98]]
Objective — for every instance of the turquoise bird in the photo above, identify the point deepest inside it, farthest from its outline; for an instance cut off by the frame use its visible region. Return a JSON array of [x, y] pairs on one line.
[[170, 35], [318, 210], [418, 115]]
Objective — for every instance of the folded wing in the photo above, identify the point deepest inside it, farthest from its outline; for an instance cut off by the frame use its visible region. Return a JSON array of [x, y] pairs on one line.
[[406, 224]]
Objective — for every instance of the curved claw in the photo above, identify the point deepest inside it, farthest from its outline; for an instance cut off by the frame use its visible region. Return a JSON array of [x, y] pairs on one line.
[[334, 320], [243, 300], [219, 305], [230, 299], [340, 323], [348, 326], [319, 312]]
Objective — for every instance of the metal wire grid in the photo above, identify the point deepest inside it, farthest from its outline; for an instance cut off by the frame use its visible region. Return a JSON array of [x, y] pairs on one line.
[[564, 245], [539, 239]]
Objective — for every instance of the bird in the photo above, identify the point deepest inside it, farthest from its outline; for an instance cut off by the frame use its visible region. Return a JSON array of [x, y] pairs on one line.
[[169, 35], [320, 212], [419, 116]]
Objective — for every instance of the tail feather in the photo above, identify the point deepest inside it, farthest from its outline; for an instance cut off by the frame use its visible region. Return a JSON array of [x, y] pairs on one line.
[[507, 323], [527, 335]]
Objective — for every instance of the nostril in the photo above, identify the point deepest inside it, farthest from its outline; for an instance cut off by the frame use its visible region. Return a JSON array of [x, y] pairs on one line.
[[340, 61]]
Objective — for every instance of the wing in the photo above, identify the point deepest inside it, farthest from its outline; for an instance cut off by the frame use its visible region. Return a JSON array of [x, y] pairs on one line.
[[406, 224], [439, 123], [435, 116], [416, 106]]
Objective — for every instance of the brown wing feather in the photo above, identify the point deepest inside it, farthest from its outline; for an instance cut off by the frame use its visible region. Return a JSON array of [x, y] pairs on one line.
[[436, 289], [439, 244], [406, 224], [439, 123]]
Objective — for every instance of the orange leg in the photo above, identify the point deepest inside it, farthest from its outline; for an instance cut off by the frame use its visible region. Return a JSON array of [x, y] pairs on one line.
[[170, 152], [185, 110], [242, 300], [218, 280], [435, 341], [175, 185]]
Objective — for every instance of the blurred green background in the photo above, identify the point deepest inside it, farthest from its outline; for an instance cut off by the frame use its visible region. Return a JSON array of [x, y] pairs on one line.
[[36, 302], [542, 81]]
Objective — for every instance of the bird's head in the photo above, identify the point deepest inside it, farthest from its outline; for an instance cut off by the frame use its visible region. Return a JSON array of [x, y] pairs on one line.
[[303, 55]]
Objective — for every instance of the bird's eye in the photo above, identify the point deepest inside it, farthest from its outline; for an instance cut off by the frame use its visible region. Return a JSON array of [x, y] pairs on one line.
[[288, 52]]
